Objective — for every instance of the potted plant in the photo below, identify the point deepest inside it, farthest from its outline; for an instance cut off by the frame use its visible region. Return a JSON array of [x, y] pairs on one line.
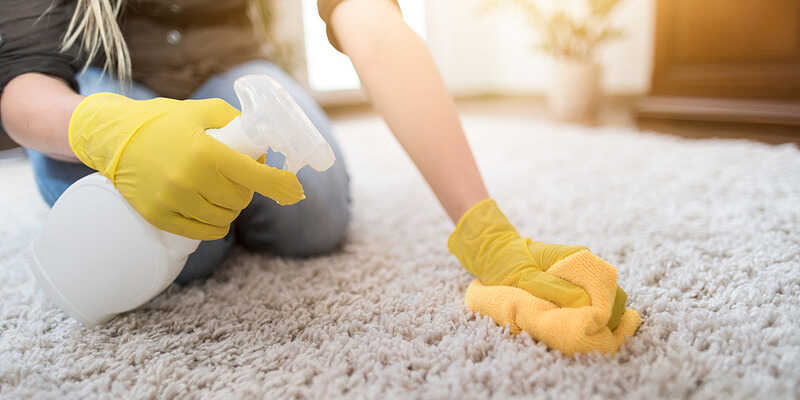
[[571, 39]]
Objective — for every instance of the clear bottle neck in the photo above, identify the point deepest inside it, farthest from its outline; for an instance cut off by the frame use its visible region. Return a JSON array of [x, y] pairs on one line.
[[234, 136]]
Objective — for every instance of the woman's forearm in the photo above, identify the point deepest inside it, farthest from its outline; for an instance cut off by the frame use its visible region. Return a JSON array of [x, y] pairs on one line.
[[406, 88], [36, 110]]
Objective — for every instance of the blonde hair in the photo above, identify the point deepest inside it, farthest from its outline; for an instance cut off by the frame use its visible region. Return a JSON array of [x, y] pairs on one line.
[[94, 25]]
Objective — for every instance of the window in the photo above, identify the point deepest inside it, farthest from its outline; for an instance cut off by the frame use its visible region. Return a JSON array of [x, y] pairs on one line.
[[329, 70]]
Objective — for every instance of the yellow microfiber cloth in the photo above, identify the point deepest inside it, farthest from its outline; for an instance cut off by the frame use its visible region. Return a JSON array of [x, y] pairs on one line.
[[570, 330], [563, 296]]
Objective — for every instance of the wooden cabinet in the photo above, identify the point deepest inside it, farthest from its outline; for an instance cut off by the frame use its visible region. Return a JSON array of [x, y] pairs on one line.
[[726, 60]]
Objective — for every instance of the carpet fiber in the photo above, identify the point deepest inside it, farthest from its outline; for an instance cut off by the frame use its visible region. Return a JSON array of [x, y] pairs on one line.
[[705, 234]]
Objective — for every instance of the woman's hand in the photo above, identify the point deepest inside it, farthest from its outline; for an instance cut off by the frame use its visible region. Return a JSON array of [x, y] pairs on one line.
[[490, 248], [563, 296], [157, 154]]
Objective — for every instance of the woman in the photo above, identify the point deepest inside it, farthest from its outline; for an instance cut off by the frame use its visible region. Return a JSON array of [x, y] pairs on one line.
[[154, 151]]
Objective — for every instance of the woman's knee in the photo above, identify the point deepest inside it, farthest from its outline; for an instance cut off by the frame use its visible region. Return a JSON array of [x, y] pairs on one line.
[[94, 80], [221, 86], [317, 225], [53, 177], [315, 234], [208, 256]]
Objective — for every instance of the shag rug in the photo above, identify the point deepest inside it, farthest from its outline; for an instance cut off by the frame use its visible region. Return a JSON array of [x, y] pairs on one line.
[[705, 234]]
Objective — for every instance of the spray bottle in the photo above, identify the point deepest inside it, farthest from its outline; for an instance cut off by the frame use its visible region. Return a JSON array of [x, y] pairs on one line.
[[97, 257]]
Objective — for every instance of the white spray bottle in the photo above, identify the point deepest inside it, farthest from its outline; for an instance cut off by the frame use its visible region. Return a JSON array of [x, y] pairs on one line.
[[97, 257]]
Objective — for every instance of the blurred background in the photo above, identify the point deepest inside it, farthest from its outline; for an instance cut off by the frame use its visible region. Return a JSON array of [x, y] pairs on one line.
[[483, 47], [710, 68]]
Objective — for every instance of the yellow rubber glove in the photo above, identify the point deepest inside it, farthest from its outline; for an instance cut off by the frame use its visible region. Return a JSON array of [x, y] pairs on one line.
[[158, 156], [490, 248]]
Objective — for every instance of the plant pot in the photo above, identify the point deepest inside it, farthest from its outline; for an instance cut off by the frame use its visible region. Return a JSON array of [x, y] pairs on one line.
[[574, 92]]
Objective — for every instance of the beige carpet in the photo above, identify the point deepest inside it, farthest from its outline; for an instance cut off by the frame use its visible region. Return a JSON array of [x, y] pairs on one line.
[[706, 235]]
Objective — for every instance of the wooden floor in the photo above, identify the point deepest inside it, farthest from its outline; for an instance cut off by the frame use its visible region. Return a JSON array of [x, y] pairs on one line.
[[617, 111], [772, 134]]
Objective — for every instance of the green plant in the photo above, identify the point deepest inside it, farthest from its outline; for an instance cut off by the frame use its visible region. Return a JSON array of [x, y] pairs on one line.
[[563, 34]]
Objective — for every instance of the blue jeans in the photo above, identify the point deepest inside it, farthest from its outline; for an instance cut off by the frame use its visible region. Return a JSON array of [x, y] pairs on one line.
[[314, 226]]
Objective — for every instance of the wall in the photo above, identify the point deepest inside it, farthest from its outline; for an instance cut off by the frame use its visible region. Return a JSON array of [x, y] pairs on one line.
[[480, 52], [465, 45]]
